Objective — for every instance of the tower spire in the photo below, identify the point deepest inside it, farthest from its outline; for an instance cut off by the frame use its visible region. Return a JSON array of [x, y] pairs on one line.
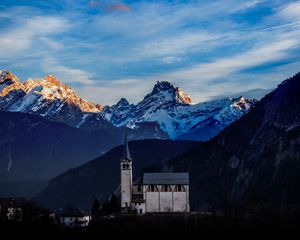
[[126, 153]]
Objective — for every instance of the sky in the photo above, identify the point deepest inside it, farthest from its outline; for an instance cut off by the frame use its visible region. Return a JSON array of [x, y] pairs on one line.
[[106, 50]]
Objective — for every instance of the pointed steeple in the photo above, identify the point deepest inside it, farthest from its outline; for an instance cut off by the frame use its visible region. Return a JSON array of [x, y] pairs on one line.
[[126, 153]]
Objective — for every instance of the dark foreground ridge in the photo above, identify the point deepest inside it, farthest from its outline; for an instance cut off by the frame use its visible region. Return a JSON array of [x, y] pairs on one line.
[[175, 226]]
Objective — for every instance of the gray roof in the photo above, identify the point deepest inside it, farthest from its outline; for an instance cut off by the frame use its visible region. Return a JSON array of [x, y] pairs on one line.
[[166, 178]]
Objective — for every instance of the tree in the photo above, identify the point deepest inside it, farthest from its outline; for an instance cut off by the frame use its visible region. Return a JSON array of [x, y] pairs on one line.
[[114, 204], [110, 205], [95, 211]]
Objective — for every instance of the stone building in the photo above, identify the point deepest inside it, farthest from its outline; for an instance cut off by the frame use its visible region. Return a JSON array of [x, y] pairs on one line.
[[155, 193]]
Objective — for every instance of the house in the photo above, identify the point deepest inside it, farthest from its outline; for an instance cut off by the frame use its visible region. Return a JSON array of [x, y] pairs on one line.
[[155, 193], [74, 217], [12, 208]]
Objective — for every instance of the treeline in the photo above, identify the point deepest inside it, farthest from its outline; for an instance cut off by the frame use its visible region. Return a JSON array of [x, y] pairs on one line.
[[109, 206]]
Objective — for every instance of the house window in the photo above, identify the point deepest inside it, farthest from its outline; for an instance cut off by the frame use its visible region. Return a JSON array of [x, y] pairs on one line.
[[141, 211]]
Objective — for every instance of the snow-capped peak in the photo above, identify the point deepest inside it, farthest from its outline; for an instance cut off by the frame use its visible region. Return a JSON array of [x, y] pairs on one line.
[[9, 82], [244, 104], [51, 89], [47, 97]]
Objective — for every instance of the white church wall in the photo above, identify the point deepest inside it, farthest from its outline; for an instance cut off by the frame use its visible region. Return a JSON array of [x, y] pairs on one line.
[[166, 202], [152, 201], [180, 202]]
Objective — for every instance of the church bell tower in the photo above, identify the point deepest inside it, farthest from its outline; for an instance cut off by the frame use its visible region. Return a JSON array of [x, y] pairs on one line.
[[126, 178]]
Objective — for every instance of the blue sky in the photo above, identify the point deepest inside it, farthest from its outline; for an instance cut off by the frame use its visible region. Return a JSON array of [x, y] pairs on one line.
[[106, 50]]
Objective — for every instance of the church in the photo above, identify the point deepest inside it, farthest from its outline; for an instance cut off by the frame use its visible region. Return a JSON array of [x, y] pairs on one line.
[[155, 193]]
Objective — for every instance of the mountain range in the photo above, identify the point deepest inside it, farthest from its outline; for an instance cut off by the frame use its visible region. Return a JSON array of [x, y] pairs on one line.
[[166, 112], [253, 163], [47, 128]]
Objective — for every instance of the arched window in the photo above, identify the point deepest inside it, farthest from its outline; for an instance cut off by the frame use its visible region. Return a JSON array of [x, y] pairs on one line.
[[127, 166], [166, 188], [123, 166], [152, 188], [179, 188]]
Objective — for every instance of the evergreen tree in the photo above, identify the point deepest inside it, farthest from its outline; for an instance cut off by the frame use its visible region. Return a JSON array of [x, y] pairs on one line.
[[110, 205], [95, 211], [114, 204]]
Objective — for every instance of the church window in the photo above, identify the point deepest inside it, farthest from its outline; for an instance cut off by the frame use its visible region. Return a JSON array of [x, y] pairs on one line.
[[166, 188], [152, 188], [123, 165], [180, 188], [139, 188]]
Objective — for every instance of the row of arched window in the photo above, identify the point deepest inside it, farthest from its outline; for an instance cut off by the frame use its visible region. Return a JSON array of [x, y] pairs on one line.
[[165, 188], [125, 166]]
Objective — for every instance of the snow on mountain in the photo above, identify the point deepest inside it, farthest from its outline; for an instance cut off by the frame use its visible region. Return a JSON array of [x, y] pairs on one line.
[[11, 90], [9, 82], [165, 110], [172, 109], [47, 97]]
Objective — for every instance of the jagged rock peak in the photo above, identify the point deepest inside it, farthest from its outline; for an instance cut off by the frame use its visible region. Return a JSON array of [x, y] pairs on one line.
[[123, 102], [182, 97], [244, 104], [9, 82], [162, 86], [8, 75], [51, 79], [176, 93]]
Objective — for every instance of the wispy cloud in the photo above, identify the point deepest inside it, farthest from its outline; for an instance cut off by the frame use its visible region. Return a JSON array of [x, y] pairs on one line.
[[291, 10], [21, 37], [65, 73], [112, 49], [271, 52], [133, 89]]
